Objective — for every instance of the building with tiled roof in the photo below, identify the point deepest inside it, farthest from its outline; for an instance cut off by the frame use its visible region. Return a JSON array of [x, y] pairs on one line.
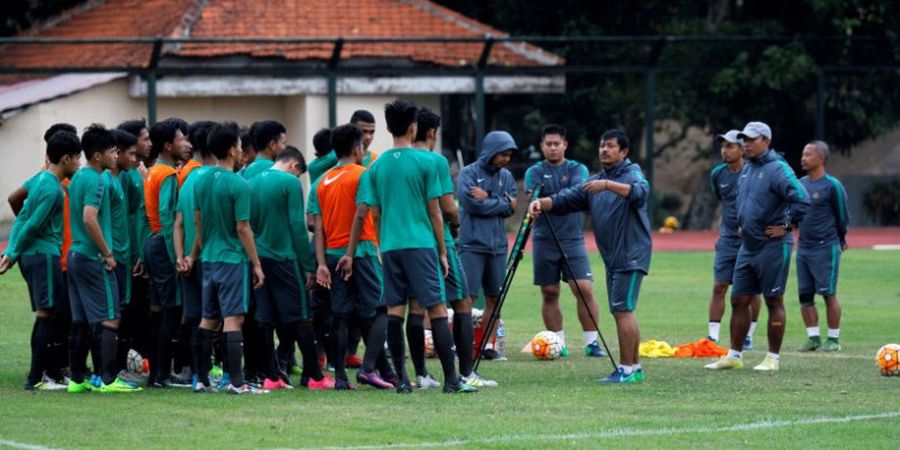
[[200, 76]]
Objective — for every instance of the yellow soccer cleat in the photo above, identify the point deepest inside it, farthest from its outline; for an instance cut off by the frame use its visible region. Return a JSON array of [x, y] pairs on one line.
[[768, 364], [725, 363]]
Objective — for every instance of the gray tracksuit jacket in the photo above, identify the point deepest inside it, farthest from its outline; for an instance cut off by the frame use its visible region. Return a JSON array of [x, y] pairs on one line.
[[768, 194]]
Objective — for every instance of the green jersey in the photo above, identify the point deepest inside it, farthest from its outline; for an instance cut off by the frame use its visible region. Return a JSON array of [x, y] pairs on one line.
[[320, 165], [38, 227], [138, 226], [277, 218], [258, 166], [223, 200], [118, 202], [90, 187], [187, 204], [400, 182], [446, 183]]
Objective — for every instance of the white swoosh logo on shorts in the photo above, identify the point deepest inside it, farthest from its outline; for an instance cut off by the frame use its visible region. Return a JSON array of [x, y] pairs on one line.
[[328, 181]]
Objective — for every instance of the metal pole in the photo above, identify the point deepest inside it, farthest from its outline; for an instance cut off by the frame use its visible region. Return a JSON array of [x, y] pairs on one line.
[[332, 99], [480, 125], [649, 106], [151, 97], [820, 105]]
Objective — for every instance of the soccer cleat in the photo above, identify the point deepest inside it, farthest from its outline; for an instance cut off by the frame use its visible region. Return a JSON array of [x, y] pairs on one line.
[[29, 386], [460, 388], [96, 381], [811, 344], [403, 387], [639, 376], [564, 352], [490, 354], [246, 388], [78, 388], [325, 383], [478, 381], [768, 364], [199, 388], [725, 363], [118, 386], [353, 361], [372, 379], [343, 385], [831, 345], [49, 384], [748, 343], [274, 385], [618, 377], [593, 350], [710, 338], [177, 381], [224, 381], [427, 382], [390, 377]]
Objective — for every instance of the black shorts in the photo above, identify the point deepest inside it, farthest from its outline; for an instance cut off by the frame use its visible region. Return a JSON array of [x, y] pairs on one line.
[[93, 290], [163, 290], [412, 273], [361, 294], [226, 290], [456, 284], [282, 299], [43, 276], [191, 287], [123, 277]]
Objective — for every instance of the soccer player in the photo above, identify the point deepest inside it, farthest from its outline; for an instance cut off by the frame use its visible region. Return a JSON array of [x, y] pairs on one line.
[[248, 153], [823, 236], [277, 218], [455, 284], [34, 243], [325, 157], [403, 190], [724, 182], [552, 175], [333, 202], [269, 140], [487, 195], [187, 249], [169, 147], [362, 119], [617, 201], [93, 285], [228, 252], [771, 202]]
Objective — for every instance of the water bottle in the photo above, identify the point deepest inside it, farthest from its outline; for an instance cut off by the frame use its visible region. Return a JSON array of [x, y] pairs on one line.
[[501, 341]]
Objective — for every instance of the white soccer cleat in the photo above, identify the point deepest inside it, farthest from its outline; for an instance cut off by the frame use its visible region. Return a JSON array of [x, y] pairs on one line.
[[768, 364]]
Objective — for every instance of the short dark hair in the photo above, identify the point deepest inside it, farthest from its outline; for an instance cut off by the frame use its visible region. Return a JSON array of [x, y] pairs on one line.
[[62, 143], [222, 138], [163, 132], [96, 138], [124, 139], [362, 115], [344, 138], [322, 142], [821, 148], [197, 134], [264, 132], [399, 115], [133, 126], [552, 128], [617, 134], [427, 120], [57, 127], [246, 140], [292, 153]]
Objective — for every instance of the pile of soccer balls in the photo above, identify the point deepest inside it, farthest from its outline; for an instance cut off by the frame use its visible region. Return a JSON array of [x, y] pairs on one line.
[[546, 346], [888, 360]]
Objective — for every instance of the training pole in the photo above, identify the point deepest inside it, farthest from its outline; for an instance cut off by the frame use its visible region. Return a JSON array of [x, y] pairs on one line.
[[584, 302], [512, 262]]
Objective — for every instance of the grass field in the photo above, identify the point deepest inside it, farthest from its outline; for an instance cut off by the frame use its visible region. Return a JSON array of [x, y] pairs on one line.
[[816, 400]]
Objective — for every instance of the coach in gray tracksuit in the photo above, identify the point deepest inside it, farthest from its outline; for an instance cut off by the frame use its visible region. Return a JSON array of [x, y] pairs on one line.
[[771, 202], [487, 195], [616, 199]]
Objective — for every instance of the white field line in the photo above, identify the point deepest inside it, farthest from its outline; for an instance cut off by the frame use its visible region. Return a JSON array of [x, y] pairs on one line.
[[886, 247], [15, 444], [625, 432]]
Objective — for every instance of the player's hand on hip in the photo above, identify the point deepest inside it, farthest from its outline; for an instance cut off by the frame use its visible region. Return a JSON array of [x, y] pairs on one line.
[[775, 231], [345, 266], [323, 277], [258, 277]]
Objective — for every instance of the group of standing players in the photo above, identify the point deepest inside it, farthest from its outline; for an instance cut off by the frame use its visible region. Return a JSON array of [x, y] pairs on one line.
[[191, 242]]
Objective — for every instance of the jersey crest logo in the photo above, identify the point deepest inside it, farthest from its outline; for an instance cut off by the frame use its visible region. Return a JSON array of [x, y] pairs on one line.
[[761, 174], [396, 155], [815, 194]]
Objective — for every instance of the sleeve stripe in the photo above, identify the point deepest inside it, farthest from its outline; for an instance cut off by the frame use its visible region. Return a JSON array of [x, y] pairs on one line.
[[839, 193], [789, 173]]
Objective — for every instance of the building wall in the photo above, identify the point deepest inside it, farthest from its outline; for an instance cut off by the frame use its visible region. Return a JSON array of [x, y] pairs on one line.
[[21, 135]]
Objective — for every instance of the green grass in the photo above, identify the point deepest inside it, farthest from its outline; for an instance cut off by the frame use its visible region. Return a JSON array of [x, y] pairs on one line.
[[539, 404]]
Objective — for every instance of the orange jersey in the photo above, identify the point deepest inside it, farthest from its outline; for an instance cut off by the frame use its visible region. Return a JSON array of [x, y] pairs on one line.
[[155, 178], [67, 227], [336, 196], [186, 170]]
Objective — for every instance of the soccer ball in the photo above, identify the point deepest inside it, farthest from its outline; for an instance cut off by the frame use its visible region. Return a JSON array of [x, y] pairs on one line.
[[888, 360], [429, 344], [134, 362], [546, 346]]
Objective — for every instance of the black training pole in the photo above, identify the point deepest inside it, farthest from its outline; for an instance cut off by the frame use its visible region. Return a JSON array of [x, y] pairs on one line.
[[571, 273], [512, 263]]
